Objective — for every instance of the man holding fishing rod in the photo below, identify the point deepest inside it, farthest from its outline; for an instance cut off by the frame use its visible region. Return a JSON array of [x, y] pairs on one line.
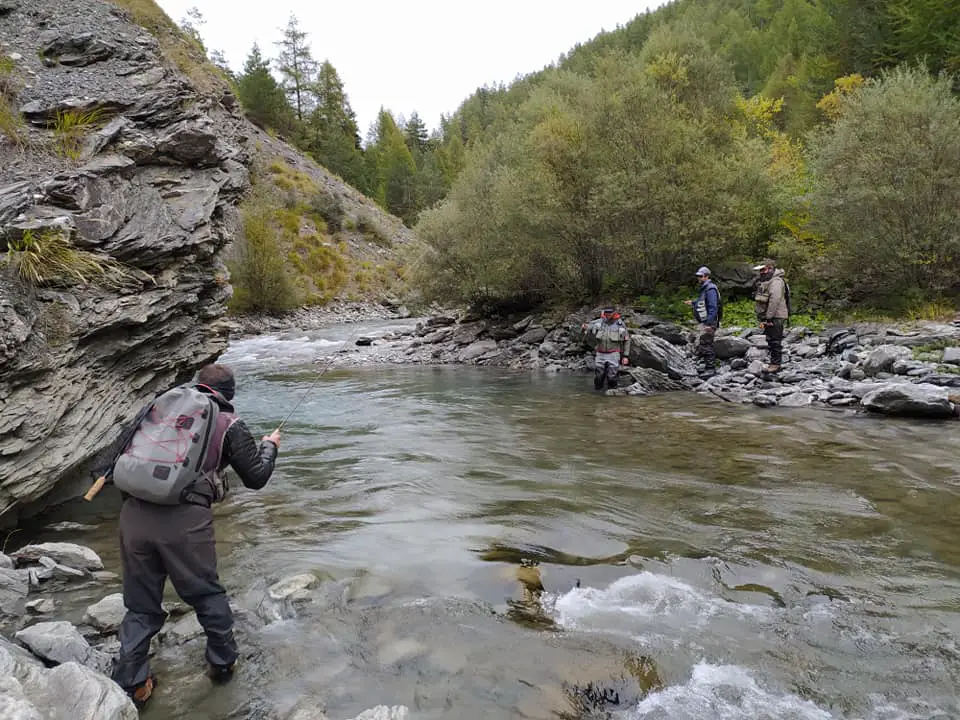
[[169, 466]]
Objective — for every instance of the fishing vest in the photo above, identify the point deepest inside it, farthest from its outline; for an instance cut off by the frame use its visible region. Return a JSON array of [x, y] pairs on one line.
[[610, 337]]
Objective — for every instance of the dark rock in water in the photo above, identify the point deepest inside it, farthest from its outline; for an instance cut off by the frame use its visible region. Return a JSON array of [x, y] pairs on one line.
[[364, 341], [912, 400], [645, 382]]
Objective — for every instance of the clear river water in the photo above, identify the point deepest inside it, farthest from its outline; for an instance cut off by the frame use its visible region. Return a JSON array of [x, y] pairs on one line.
[[497, 544]]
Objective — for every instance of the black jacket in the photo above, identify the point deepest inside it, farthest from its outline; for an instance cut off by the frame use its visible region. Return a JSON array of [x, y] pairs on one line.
[[253, 463]]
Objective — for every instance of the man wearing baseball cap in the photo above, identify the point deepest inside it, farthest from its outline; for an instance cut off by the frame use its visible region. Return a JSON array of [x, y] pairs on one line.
[[773, 308], [706, 311]]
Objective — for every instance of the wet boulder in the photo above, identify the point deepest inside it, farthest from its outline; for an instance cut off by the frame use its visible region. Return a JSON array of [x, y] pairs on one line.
[[910, 400], [672, 333], [294, 587]]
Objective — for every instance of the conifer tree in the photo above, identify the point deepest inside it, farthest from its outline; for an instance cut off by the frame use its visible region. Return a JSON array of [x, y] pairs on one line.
[[297, 67], [261, 96]]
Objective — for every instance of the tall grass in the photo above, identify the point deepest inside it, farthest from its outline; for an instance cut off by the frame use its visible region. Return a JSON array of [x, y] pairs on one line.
[[49, 258], [70, 128]]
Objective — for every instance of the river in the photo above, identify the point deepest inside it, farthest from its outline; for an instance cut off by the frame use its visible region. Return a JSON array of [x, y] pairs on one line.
[[699, 559]]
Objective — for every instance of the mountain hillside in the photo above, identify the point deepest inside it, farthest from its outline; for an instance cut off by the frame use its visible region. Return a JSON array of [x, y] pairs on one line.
[[136, 205]]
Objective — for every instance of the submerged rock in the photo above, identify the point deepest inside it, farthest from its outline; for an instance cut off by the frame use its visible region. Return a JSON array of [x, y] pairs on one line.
[[293, 588]]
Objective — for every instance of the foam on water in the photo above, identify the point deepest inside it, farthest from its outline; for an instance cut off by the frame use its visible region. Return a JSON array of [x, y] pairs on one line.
[[631, 602], [279, 349], [724, 692]]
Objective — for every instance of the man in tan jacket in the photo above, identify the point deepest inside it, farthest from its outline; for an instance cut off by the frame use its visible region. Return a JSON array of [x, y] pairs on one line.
[[773, 308]]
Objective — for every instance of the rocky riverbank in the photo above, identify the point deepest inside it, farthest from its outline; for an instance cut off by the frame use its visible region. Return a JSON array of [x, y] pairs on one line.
[[313, 318], [911, 369], [52, 668]]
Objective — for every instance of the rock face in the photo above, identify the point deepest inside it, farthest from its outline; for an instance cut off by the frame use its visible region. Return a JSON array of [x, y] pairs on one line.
[[153, 183]]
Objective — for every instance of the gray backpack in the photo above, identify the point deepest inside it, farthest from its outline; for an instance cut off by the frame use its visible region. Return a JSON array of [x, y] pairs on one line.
[[166, 453]]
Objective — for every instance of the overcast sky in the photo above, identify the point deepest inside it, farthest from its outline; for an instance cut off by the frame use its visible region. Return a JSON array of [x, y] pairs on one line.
[[424, 55]]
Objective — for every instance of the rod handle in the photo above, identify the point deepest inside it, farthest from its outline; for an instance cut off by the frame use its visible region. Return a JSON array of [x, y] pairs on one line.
[[95, 488]]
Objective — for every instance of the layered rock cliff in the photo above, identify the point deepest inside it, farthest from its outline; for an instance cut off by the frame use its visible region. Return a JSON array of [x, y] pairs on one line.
[[129, 171]]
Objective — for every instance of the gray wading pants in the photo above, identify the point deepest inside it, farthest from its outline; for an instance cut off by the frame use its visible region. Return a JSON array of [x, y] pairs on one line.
[[606, 369], [157, 541]]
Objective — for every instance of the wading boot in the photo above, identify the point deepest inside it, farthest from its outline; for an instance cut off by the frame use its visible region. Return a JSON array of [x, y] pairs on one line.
[[220, 674], [144, 692]]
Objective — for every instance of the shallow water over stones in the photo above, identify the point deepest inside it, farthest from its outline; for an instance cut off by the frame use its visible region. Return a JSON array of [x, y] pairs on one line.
[[486, 543]]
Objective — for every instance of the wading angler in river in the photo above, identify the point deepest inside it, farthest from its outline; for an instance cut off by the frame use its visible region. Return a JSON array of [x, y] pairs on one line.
[[613, 347], [169, 466]]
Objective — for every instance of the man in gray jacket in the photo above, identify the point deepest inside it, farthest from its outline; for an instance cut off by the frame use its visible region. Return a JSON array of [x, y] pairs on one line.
[[773, 308]]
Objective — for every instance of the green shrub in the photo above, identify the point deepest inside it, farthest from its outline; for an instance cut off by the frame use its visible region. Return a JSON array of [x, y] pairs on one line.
[[329, 209], [260, 278]]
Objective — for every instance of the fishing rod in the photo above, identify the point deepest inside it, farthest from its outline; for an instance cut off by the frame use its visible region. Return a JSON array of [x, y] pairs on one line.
[[101, 481], [316, 380]]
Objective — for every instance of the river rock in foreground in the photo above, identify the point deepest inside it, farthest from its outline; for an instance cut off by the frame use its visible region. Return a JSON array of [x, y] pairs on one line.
[[28, 691]]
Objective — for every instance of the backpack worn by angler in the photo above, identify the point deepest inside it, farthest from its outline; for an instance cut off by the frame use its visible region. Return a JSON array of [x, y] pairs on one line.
[[177, 443]]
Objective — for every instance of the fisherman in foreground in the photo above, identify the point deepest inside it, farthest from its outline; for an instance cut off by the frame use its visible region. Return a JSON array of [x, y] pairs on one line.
[[169, 469], [613, 347]]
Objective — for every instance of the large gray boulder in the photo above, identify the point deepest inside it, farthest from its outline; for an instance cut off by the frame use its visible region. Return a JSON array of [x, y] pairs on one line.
[[649, 351], [911, 400], [883, 358]]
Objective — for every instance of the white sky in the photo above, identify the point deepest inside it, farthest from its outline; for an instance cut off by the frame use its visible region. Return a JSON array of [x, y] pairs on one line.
[[426, 56]]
